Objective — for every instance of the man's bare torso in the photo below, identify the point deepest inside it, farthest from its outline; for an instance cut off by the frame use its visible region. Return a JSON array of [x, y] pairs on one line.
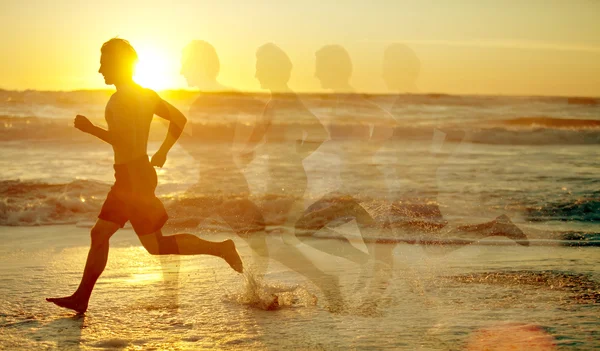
[[128, 114]]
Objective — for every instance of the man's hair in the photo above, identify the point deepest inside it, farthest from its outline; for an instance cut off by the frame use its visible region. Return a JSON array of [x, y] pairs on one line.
[[337, 59], [121, 51], [278, 60], [201, 52]]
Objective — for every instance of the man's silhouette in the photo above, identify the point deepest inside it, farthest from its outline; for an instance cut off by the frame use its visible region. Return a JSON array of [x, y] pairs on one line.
[[128, 115], [354, 143], [348, 138], [286, 147], [416, 208], [223, 113], [221, 177]]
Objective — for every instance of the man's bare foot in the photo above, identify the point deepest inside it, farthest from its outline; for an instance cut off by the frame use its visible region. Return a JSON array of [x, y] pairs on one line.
[[505, 227], [69, 302], [501, 226], [232, 257]]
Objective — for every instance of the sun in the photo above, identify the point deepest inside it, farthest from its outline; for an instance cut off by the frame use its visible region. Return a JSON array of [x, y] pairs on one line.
[[154, 69]]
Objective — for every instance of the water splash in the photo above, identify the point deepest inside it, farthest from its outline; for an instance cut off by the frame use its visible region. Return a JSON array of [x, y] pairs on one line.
[[257, 293]]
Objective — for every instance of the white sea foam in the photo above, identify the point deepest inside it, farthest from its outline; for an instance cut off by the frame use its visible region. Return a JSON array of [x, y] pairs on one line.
[[270, 296]]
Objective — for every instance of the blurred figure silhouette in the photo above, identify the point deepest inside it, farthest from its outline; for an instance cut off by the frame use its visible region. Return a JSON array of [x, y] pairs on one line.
[[415, 209], [401, 68], [200, 66], [224, 116], [353, 144], [286, 144], [129, 113], [219, 114], [414, 190]]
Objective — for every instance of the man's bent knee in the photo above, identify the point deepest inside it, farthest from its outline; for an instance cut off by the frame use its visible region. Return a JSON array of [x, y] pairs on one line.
[[150, 243], [168, 245], [156, 244]]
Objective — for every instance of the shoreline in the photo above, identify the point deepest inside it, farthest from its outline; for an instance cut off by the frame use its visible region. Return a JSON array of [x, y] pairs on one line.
[[126, 235]]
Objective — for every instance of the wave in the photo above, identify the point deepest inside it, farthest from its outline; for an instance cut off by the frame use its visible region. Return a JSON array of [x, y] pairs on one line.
[[36, 203], [581, 210], [579, 238], [525, 131], [551, 122], [583, 101], [583, 288], [59, 104], [539, 136], [28, 203]]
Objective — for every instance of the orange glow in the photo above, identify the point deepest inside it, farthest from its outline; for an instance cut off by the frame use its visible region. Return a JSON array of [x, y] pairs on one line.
[[154, 68], [548, 48]]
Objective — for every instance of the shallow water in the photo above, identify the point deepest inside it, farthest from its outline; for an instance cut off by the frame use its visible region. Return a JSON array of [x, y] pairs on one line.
[[196, 303], [534, 160]]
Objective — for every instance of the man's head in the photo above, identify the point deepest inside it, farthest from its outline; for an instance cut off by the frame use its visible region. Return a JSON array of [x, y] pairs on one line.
[[117, 61], [200, 63], [401, 68], [333, 66], [273, 66]]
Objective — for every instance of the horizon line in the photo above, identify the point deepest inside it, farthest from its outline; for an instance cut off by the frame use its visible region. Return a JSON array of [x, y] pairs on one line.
[[259, 92]]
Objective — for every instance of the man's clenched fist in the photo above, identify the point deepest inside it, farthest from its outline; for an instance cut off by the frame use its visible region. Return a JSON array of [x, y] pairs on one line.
[[83, 124]]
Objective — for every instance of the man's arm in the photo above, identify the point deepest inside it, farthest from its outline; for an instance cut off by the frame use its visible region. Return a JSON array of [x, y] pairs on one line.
[[177, 122], [246, 153], [263, 122], [314, 135], [84, 124]]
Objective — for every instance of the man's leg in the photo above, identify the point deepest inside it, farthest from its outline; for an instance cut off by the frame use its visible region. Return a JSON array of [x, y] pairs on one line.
[[96, 262], [189, 244], [313, 221]]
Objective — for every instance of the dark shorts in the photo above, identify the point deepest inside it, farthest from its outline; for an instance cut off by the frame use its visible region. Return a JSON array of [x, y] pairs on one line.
[[132, 198]]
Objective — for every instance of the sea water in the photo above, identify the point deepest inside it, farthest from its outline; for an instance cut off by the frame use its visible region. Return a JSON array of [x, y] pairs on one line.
[[534, 160]]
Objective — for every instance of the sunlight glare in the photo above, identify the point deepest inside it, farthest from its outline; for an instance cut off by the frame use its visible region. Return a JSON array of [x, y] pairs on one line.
[[154, 68]]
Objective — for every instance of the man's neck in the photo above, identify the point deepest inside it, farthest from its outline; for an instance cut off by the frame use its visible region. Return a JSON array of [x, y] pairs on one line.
[[125, 85]]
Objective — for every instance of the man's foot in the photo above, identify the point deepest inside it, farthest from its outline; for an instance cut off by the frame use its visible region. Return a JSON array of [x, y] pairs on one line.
[[501, 226], [232, 257], [69, 302], [504, 226]]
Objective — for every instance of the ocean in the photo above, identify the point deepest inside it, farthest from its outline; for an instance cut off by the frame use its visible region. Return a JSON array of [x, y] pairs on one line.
[[432, 222]]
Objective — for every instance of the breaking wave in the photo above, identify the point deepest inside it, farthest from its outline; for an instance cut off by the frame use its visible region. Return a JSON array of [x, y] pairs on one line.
[[30, 203], [521, 131], [583, 210]]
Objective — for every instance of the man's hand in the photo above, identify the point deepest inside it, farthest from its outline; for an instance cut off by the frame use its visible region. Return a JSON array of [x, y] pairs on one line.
[[245, 157], [83, 124], [159, 159]]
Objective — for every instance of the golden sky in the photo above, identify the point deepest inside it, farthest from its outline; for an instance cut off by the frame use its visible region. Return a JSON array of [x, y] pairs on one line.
[[464, 47]]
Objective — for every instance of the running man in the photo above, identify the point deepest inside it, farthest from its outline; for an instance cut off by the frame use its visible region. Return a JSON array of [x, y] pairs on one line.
[[128, 115]]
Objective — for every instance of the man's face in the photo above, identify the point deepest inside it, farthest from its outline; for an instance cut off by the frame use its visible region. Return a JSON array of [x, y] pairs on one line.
[[108, 70], [114, 70], [262, 74], [324, 74], [187, 71], [270, 73], [195, 73], [399, 73]]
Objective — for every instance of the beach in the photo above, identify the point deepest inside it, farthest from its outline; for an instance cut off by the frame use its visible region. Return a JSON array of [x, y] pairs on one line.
[[523, 269], [142, 303]]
